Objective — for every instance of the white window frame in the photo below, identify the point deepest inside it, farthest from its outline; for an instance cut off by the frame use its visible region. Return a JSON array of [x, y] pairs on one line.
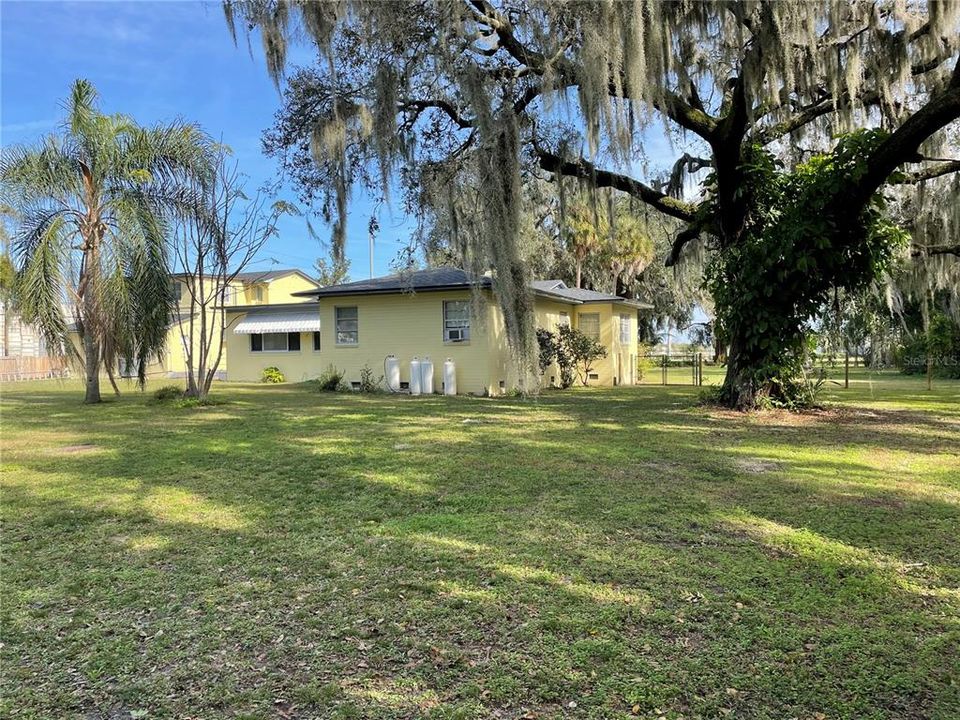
[[263, 344], [580, 318], [258, 293], [625, 328], [459, 327], [336, 326]]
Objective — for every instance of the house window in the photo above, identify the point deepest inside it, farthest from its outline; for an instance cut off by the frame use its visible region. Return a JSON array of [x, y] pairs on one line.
[[275, 342], [178, 291], [229, 296], [347, 327], [564, 319], [316, 340], [625, 329], [589, 324], [258, 294], [456, 321]]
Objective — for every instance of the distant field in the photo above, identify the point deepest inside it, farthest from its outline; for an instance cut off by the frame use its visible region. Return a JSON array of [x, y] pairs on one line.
[[614, 553]]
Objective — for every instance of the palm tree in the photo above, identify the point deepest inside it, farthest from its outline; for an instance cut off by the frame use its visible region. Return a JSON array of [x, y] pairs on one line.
[[94, 203], [630, 251], [585, 234]]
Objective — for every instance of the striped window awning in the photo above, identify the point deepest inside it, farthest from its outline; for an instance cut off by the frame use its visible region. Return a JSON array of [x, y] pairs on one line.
[[259, 322]]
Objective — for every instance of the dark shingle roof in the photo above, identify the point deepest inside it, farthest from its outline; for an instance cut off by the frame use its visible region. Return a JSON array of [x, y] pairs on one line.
[[448, 278], [262, 275], [560, 290], [445, 278]]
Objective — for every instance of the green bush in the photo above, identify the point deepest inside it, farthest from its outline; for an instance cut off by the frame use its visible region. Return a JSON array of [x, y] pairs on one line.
[[331, 380], [272, 374], [168, 392], [572, 351]]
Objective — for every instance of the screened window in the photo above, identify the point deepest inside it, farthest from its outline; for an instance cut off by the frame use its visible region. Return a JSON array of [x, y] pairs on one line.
[[316, 340], [456, 321], [589, 325], [347, 326], [275, 342], [625, 329]]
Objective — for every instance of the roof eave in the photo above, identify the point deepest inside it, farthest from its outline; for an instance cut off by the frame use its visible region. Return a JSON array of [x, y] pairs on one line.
[[284, 306], [320, 293]]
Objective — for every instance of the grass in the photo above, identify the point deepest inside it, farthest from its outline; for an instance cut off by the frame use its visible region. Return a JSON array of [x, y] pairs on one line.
[[592, 554]]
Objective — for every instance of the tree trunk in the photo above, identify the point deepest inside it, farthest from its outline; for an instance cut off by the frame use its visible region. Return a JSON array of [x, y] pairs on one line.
[[579, 268], [846, 364], [739, 389], [6, 329], [113, 380], [91, 351]]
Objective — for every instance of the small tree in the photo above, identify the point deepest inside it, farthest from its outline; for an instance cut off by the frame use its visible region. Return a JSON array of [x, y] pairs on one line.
[[212, 245], [581, 350], [332, 270]]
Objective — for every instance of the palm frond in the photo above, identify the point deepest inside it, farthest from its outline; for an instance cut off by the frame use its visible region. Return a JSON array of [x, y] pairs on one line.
[[31, 174], [39, 287]]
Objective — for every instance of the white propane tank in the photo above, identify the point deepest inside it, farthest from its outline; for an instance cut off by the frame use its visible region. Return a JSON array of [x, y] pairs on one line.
[[415, 377], [426, 376], [449, 377], [391, 372]]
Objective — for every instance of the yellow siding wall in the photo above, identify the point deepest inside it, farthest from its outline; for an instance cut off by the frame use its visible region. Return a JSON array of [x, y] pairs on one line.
[[550, 315], [402, 325], [412, 325], [276, 291], [618, 366]]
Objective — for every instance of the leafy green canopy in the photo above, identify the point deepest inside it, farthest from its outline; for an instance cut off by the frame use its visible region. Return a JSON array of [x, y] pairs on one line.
[[94, 203], [792, 237]]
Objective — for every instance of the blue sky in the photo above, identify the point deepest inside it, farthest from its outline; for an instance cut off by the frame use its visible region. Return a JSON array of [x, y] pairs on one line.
[[158, 61]]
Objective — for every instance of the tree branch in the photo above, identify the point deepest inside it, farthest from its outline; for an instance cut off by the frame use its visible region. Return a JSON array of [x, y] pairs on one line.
[[419, 106], [920, 250], [604, 178], [929, 173], [903, 144]]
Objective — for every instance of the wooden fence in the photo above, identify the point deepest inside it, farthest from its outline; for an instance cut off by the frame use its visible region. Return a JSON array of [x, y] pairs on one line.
[[32, 368]]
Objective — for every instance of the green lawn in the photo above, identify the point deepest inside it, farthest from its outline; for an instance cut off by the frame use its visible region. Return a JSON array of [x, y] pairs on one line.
[[599, 553]]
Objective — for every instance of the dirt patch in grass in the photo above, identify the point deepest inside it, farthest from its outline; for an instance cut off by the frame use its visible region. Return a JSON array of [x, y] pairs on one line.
[[75, 449], [756, 466]]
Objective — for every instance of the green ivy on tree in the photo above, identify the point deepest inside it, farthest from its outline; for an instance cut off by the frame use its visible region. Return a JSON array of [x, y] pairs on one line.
[[787, 209]]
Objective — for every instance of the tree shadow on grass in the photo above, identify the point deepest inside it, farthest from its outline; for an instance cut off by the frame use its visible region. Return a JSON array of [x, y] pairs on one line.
[[399, 556]]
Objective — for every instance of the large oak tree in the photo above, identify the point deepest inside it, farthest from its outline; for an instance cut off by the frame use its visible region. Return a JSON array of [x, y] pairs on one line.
[[462, 99]]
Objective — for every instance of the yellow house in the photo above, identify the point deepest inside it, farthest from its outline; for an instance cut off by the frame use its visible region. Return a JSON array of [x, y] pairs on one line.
[[431, 314], [248, 289]]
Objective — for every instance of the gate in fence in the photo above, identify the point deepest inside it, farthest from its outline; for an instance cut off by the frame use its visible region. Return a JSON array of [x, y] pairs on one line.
[[673, 369]]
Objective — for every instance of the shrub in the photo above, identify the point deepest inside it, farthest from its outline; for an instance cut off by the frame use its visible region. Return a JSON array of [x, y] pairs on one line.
[[554, 349], [577, 351], [168, 392], [331, 380], [272, 374], [368, 383]]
